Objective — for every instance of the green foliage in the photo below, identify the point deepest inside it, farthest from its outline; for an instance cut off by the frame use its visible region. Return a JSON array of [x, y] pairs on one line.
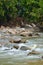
[[7, 9], [31, 10]]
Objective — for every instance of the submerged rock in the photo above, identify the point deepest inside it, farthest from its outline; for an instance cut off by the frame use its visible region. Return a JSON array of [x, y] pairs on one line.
[[30, 34], [23, 41]]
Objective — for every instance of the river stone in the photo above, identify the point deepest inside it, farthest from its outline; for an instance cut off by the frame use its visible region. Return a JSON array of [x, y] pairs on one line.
[[11, 31], [28, 26], [2, 27], [33, 53], [24, 48], [33, 25], [16, 46], [26, 33], [37, 34], [30, 34], [42, 57], [15, 40], [23, 41]]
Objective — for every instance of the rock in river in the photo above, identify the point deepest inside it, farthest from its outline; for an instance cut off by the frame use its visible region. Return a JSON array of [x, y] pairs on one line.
[[27, 33], [42, 57], [33, 53], [15, 40], [24, 48], [16, 46], [30, 34]]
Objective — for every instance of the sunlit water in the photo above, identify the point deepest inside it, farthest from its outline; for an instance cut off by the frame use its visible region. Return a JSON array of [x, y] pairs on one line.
[[13, 56]]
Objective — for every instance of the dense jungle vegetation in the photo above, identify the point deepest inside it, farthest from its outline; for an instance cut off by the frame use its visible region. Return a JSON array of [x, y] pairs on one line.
[[13, 11]]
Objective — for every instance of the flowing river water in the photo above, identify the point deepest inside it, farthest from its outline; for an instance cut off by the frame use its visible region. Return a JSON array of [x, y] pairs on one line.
[[14, 56]]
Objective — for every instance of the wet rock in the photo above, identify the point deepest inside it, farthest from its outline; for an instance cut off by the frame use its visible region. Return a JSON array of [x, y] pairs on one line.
[[19, 40], [23, 29], [24, 48], [20, 29], [33, 25], [22, 35], [11, 41], [33, 53], [23, 41], [42, 57], [36, 35], [28, 26], [16, 40], [30, 34], [27, 33], [11, 31], [16, 47]]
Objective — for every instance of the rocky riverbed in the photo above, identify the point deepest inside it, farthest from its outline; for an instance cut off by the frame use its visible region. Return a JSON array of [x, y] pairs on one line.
[[20, 45]]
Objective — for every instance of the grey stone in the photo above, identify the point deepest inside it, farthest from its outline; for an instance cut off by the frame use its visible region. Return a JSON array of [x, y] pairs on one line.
[[24, 48]]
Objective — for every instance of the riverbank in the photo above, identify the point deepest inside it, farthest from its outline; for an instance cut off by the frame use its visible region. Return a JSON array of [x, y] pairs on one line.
[[18, 34]]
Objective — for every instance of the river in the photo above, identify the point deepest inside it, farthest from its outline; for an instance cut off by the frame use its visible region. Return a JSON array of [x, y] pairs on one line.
[[14, 56]]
